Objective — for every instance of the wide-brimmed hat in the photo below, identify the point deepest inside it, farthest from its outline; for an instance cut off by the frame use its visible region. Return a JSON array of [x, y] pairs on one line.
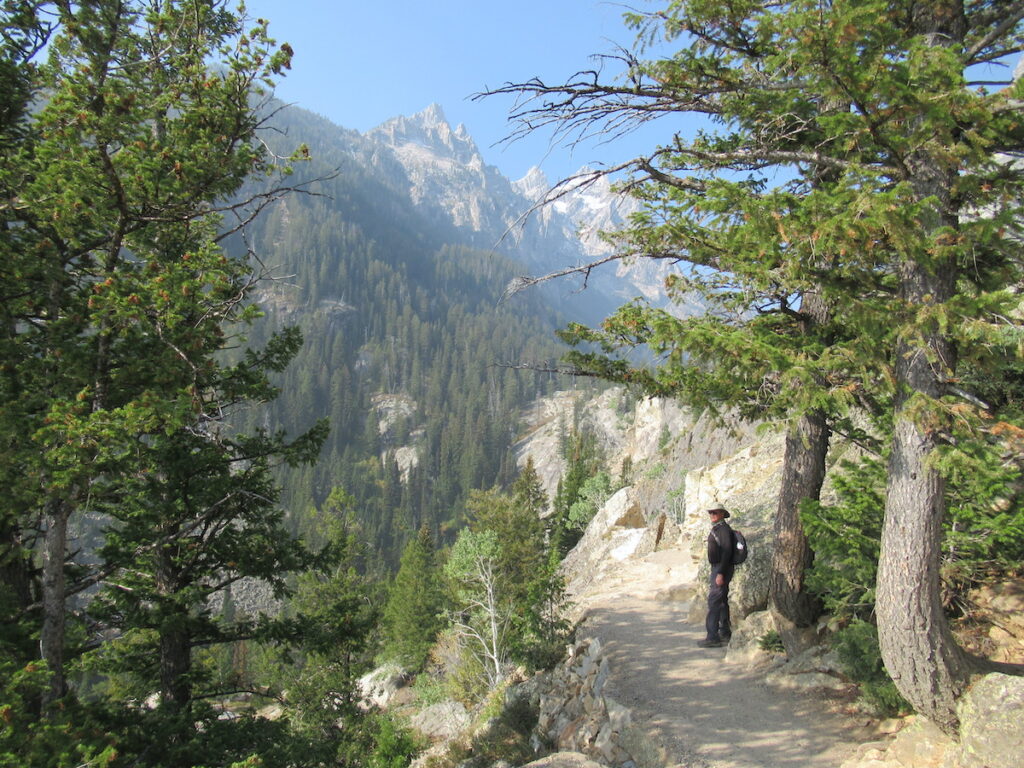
[[719, 510]]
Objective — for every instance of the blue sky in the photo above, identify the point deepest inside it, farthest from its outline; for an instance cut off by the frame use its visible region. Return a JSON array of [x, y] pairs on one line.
[[361, 62]]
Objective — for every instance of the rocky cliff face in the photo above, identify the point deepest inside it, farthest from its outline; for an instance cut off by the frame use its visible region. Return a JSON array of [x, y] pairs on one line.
[[681, 465], [447, 178], [662, 442]]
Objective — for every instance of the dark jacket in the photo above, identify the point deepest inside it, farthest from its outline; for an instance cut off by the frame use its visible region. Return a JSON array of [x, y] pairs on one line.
[[720, 548]]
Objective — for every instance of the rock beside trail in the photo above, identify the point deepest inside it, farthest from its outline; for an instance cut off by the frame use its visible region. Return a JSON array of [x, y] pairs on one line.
[[564, 760], [991, 734], [745, 647], [577, 715], [992, 724], [919, 745]]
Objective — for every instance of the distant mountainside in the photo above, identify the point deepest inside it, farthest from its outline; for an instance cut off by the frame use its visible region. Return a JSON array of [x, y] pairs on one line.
[[448, 178], [394, 267]]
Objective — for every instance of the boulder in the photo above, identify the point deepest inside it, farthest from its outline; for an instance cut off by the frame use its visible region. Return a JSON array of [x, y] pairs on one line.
[[992, 723], [442, 721], [919, 745], [748, 590], [564, 760], [661, 533], [613, 535], [817, 659], [379, 686], [745, 646], [747, 484]]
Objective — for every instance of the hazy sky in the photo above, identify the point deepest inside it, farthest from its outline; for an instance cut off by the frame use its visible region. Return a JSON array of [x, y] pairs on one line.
[[361, 62]]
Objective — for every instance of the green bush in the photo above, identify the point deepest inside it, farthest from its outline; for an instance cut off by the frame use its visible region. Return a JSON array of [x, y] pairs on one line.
[[429, 687], [771, 642], [845, 537], [394, 746], [858, 651]]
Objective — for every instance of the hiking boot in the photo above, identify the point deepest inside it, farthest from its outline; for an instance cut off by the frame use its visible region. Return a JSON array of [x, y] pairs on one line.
[[710, 643]]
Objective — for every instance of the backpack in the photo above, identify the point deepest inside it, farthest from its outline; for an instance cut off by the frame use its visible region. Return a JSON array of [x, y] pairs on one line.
[[739, 548]]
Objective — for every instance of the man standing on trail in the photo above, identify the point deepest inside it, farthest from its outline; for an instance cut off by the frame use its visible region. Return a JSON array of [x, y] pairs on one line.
[[720, 548]]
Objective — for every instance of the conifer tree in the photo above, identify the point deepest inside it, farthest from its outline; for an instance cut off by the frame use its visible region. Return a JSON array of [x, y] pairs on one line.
[[527, 491], [22, 36], [415, 609], [830, 221], [117, 303]]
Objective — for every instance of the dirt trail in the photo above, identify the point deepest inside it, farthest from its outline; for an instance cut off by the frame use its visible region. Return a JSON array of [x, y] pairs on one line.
[[703, 712]]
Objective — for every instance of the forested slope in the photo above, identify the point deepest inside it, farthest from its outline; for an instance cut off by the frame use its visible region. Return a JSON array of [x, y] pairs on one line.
[[405, 337]]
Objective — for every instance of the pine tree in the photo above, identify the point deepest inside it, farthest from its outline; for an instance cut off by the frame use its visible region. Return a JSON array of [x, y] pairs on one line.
[[849, 157], [118, 304], [415, 608]]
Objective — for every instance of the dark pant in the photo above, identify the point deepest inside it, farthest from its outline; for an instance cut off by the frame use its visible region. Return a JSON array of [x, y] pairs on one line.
[[717, 623]]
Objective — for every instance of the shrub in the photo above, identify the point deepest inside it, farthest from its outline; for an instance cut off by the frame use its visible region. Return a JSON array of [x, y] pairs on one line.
[[859, 654], [771, 642]]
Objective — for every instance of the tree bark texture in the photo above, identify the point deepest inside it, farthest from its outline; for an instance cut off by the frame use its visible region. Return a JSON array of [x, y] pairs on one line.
[[175, 665], [918, 648], [51, 635], [175, 639], [917, 645], [803, 473]]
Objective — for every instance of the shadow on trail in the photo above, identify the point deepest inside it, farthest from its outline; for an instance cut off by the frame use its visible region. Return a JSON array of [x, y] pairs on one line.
[[707, 712]]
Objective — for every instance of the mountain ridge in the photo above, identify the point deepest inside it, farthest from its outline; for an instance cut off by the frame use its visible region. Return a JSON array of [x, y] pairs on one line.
[[448, 177]]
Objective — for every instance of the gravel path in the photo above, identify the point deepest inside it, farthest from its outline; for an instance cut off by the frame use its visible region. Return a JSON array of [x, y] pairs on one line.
[[700, 711]]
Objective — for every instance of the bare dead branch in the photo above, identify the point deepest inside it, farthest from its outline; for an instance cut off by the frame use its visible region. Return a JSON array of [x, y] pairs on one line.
[[543, 368], [1012, 17], [518, 284]]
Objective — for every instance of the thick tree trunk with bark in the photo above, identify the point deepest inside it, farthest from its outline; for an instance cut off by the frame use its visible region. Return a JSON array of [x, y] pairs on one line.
[[803, 473], [175, 665], [918, 648], [175, 639]]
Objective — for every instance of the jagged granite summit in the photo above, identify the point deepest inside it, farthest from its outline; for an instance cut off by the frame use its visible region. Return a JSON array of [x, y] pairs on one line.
[[448, 179], [446, 171]]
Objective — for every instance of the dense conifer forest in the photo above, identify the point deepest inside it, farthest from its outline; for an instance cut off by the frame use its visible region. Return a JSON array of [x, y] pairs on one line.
[[393, 310], [201, 507]]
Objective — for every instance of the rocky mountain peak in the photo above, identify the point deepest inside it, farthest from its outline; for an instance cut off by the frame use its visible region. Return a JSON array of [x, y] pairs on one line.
[[533, 185], [428, 133], [449, 180]]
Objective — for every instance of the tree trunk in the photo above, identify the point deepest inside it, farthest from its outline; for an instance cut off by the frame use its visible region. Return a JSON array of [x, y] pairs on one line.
[[803, 473], [51, 635], [175, 639], [917, 646], [175, 665]]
